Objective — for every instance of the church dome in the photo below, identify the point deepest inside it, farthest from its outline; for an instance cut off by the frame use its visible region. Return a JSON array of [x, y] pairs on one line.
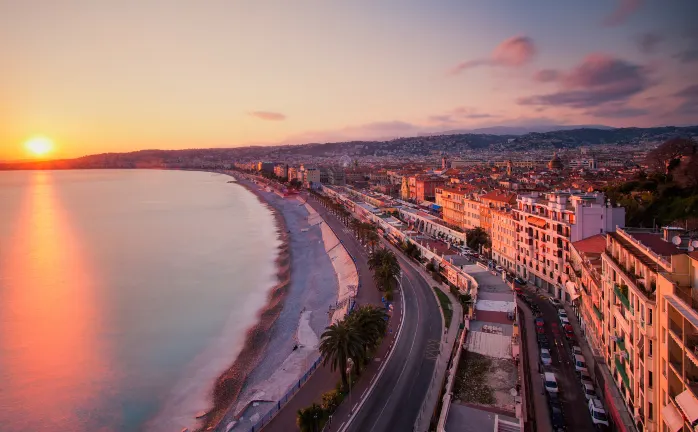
[[555, 163]]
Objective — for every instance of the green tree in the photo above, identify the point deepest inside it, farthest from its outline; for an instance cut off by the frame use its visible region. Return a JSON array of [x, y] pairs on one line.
[[466, 300], [477, 237], [370, 323], [309, 419], [339, 343]]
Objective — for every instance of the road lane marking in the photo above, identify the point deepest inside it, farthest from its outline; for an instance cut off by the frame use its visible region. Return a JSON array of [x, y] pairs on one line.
[[382, 368]]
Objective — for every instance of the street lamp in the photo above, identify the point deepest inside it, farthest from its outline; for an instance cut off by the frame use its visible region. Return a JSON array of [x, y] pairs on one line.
[[350, 364]]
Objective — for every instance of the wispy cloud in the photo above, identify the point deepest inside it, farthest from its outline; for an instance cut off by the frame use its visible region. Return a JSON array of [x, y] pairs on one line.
[[597, 80], [268, 115], [622, 12], [459, 114], [513, 52]]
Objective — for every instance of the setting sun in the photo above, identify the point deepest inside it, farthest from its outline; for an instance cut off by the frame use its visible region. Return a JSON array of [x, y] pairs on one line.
[[39, 146]]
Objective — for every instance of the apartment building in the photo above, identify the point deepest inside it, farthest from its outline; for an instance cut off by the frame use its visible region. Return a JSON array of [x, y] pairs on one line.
[[471, 211], [335, 176], [292, 173], [452, 207], [503, 237], [632, 263], [677, 371], [281, 170], [546, 225], [494, 200], [585, 278]]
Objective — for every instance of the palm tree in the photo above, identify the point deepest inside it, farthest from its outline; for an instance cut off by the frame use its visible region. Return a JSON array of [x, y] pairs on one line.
[[308, 418], [339, 343], [370, 322], [466, 300], [372, 240], [381, 256]]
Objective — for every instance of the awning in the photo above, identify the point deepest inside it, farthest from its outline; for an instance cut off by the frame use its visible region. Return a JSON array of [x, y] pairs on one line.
[[536, 221], [572, 290], [688, 404], [672, 418]]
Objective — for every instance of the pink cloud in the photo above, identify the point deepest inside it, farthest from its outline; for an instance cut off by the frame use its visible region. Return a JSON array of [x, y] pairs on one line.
[[621, 13], [546, 75], [597, 80], [268, 115], [513, 52]]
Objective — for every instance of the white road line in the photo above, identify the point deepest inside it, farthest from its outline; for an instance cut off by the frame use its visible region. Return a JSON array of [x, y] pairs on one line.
[[382, 368], [404, 366]]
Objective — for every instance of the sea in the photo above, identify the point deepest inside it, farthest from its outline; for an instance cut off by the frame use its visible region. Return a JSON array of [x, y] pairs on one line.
[[124, 294]]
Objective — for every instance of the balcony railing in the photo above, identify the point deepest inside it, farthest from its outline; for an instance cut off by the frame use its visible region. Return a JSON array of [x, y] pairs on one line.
[[622, 296], [676, 363], [687, 295], [598, 313], [623, 374], [649, 292], [676, 329]]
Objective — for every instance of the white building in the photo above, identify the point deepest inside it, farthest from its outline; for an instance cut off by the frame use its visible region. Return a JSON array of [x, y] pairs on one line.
[[548, 223]]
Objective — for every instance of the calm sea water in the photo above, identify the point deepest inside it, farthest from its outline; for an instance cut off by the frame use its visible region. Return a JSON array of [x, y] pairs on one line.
[[123, 294]]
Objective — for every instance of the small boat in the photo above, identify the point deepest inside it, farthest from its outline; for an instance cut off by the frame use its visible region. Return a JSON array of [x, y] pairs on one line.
[[201, 414]]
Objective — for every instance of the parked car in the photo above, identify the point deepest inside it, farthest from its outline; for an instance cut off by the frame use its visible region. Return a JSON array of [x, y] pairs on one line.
[[520, 281], [589, 391], [540, 329], [598, 413], [569, 331], [539, 322], [576, 350], [562, 313], [543, 341], [557, 420], [554, 401], [549, 382], [580, 364], [585, 378], [545, 358], [564, 321], [555, 302], [499, 268]]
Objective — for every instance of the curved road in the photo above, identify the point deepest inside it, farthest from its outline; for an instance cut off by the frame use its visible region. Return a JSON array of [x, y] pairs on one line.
[[396, 399]]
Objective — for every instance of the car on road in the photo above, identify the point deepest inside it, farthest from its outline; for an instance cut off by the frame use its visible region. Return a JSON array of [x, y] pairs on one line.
[[598, 413], [550, 382], [539, 322], [589, 391], [555, 302], [545, 358], [540, 329], [520, 281], [564, 321], [561, 313], [518, 290], [499, 268], [543, 341], [554, 401], [569, 331]]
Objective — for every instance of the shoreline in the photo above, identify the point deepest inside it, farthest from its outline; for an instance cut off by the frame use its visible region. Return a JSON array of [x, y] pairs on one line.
[[229, 385]]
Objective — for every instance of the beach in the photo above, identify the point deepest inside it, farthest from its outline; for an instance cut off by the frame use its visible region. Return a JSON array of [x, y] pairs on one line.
[[317, 278]]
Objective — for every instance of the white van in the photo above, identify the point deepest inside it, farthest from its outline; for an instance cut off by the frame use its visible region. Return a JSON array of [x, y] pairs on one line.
[[580, 364], [549, 382], [598, 413]]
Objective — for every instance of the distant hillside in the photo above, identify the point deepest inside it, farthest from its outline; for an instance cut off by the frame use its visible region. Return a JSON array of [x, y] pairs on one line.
[[412, 146], [522, 130]]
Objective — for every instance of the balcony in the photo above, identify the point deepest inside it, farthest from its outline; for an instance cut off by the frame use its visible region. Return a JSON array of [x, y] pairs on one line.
[[676, 329], [676, 363], [638, 282], [621, 344], [598, 313], [623, 374], [621, 292], [687, 295]]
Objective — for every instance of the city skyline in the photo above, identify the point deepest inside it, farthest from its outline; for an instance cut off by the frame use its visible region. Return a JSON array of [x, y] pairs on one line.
[[110, 78]]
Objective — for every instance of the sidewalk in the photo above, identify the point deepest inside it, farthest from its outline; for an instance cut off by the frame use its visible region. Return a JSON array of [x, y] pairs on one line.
[[323, 380]]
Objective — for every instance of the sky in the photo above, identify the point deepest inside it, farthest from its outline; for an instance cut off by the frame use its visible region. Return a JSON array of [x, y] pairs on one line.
[[100, 76]]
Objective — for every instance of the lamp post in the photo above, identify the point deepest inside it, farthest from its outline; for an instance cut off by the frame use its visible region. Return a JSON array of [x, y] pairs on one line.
[[350, 364]]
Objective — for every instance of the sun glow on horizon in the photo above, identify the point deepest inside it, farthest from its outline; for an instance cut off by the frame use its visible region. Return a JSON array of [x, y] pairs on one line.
[[39, 146]]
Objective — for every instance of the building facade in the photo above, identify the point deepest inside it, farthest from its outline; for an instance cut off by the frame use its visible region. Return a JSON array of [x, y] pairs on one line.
[[503, 237]]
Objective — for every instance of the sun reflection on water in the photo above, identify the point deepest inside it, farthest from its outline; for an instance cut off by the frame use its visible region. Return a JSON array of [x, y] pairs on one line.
[[48, 316]]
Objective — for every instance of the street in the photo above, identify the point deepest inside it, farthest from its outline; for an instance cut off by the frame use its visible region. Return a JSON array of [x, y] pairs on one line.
[[576, 414], [396, 400]]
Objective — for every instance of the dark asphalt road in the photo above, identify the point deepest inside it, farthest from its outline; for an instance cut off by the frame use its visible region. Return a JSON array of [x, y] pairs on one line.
[[397, 398], [573, 401], [394, 403]]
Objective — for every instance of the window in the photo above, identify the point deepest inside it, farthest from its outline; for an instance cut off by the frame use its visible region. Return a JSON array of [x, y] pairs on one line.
[[649, 410], [649, 347], [649, 379], [649, 316]]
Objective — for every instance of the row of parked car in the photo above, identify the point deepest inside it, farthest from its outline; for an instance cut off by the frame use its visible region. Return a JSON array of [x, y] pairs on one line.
[[594, 405]]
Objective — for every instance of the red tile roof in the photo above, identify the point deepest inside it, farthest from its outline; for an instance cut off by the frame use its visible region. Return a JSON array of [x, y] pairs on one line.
[[594, 244], [504, 197]]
